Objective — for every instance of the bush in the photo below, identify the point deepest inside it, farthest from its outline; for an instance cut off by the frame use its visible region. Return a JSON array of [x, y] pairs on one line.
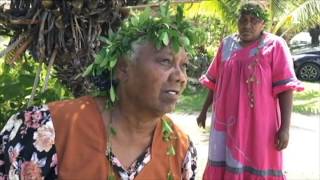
[[16, 82]]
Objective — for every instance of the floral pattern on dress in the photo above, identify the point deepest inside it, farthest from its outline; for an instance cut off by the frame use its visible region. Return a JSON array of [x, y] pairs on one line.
[[44, 137], [27, 149]]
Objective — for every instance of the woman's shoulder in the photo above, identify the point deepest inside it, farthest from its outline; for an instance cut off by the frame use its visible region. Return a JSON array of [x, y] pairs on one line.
[[230, 38], [60, 109], [270, 38], [76, 101]]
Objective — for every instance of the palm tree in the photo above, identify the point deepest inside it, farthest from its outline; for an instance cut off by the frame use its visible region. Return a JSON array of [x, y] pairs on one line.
[[294, 16], [286, 16]]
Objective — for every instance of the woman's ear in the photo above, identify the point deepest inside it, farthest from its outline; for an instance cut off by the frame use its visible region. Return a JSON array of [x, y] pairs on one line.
[[122, 69]]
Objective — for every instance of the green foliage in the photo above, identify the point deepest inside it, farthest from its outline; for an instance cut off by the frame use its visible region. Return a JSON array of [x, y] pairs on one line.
[[170, 176], [166, 130], [215, 30], [161, 29], [112, 131], [307, 101], [171, 151], [16, 85], [192, 100], [293, 16]]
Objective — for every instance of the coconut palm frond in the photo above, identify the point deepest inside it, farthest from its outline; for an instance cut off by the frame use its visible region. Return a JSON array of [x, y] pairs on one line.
[[223, 9], [229, 10], [206, 8], [277, 7], [306, 15]]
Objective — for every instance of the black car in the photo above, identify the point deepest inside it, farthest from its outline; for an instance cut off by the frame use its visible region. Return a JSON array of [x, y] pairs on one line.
[[307, 64]]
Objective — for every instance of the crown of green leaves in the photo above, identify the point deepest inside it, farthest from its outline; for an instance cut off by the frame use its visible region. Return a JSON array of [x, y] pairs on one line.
[[255, 10], [162, 28]]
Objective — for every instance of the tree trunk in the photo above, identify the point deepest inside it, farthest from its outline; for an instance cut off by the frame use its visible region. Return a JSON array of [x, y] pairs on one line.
[[314, 33]]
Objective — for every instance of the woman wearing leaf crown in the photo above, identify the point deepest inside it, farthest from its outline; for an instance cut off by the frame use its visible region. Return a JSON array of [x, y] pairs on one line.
[[251, 81], [130, 139]]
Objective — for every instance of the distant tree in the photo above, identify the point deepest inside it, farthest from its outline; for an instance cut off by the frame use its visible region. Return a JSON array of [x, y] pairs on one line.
[[314, 33]]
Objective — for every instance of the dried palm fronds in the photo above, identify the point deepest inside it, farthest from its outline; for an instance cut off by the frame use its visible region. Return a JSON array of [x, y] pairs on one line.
[[61, 31]]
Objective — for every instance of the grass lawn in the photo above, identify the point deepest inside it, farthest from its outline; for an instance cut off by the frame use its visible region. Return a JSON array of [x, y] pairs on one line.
[[191, 100], [306, 102]]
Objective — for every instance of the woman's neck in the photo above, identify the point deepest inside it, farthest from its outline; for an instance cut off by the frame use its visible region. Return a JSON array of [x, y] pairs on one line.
[[247, 43], [133, 121]]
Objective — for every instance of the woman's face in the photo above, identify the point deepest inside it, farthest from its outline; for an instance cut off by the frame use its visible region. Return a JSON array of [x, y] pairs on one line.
[[250, 28], [156, 78]]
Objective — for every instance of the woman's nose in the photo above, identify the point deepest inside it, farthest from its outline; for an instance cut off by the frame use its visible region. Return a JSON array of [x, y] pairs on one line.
[[179, 75], [246, 23]]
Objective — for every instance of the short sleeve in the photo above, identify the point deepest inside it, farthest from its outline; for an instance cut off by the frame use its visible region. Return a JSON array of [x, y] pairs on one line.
[[283, 75], [210, 79], [27, 147]]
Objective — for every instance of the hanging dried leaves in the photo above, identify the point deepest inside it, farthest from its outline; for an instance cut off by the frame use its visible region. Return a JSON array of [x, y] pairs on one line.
[[70, 28]]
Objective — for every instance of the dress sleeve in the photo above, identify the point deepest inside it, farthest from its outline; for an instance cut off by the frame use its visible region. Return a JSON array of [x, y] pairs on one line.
[[27, 149], [190, 163], [283, 75], [210, 79]]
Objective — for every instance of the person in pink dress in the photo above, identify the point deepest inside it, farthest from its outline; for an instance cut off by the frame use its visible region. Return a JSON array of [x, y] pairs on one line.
[[251, 83]]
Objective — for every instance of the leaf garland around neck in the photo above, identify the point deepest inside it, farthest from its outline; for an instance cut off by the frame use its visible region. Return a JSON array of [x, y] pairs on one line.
[[161, 28]]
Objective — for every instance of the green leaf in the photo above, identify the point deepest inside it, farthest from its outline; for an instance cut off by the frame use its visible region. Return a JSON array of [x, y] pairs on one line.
[[88, 70], [166, 138], [179, 15], [164, 37], [113, 131], [110, 31], [100, 56], [112, 177], [171, 151], [61, 92], [135, 21], [112, 94], [176, 46], [164, 9], [145, 14], [166, 127], [185, 41], [103, 63], [112, 63], [170, 176], [26, 79], [104, 39]]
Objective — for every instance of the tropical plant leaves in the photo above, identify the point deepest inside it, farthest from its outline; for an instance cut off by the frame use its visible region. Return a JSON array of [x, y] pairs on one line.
[[164, 37], [112, 94]]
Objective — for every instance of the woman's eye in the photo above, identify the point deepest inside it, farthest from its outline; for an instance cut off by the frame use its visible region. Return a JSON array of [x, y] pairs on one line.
[[165, 62]]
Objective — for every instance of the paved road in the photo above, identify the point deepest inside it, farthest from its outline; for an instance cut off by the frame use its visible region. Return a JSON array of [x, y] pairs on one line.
[[301, 158]]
